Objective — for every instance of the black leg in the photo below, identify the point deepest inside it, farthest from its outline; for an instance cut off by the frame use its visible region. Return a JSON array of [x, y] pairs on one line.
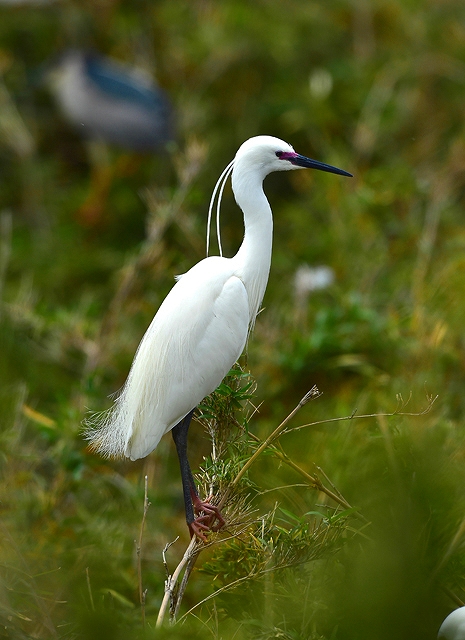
[[188, 485], [208, 513]]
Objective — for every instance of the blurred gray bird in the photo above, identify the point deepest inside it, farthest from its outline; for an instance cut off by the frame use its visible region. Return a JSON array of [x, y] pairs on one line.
[[453, 627], [110, 102]]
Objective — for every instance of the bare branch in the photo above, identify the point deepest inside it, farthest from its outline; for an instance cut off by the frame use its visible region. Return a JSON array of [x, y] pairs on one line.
[[431, 400], [313, 393], [171, 581], [142, 592], [89, 590]]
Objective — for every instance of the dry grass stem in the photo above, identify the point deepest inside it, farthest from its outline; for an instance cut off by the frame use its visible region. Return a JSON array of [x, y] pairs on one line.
[[260, 570], [89, 589], [454, 544], [313, 393], [312, 480], [453, 597], [182, 587], [6, 231], [441, 196], [46, 621], [142, 592], [431, 400]]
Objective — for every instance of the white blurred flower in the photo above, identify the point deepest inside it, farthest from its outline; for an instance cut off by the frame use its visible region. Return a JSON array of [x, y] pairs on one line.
[[308, 279], [320, 83]]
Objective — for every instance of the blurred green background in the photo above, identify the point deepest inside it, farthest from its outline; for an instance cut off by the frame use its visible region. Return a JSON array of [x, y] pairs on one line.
[[89, 248]]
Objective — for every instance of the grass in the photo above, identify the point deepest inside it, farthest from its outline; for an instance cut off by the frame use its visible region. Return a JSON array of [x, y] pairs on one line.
[[375, 88]]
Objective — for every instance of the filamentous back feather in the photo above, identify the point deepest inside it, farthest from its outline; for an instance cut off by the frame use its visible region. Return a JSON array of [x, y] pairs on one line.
[[106, 432]]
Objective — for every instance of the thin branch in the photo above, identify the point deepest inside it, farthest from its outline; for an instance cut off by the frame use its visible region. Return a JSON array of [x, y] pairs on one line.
[[142, 592], [313, 393], [226, 587], [171, 581], [442, 186], [454, 544], [235, 583], [313, 481], [336, 490], [284, 486], [167, 546], [453, 597], [182, 587], [431, 401], [89, 589], [190, 565], [172, 599]]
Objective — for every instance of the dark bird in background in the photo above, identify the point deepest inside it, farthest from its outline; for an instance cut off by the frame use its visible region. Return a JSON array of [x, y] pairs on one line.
[[108, 101]]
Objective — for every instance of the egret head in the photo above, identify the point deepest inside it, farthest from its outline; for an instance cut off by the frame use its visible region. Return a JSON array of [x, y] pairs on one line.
[[272, 154], [254, 160]]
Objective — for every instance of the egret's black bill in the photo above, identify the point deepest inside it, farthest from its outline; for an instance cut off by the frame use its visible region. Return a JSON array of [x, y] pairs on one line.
[[302, 161]]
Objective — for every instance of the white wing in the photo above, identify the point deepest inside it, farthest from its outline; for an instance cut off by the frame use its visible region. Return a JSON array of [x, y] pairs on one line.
[[198, 333]]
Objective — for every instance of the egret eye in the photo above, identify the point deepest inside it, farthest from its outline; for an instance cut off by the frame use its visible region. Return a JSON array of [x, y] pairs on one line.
[[279, 153]]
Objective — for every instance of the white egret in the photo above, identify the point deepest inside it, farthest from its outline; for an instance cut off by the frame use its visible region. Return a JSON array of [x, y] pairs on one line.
[[201, 329], [453, 627]]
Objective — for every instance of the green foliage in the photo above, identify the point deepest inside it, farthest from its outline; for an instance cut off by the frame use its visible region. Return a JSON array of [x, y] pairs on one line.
[[223, 415], [89, 245], [349, 336], [257, 581]]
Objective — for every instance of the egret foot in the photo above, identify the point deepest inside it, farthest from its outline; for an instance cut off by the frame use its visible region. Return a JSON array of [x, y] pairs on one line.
[[209, 517]]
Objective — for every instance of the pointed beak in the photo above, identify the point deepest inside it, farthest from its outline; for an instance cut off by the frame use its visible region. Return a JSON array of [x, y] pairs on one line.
[[308, 163]]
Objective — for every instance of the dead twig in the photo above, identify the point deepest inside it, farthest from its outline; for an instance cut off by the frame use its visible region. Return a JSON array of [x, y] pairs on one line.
[[91, 598], [142, 592], [313, 393], [431, 401], [171, 580]]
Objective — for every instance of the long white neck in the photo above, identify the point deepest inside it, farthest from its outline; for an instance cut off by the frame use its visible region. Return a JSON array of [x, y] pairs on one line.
[[252, 261]]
